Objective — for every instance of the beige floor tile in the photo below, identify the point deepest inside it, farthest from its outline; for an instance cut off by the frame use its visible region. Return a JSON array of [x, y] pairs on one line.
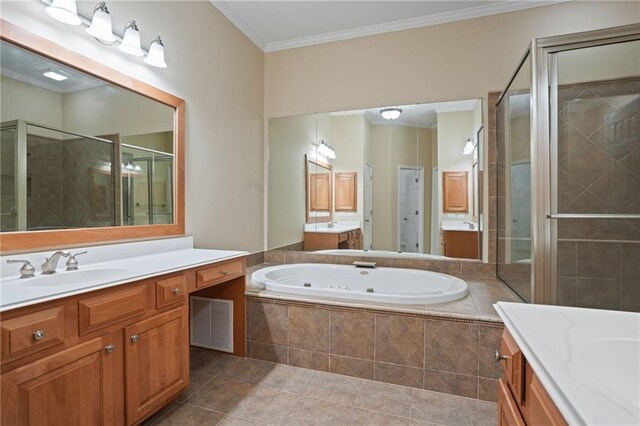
[[288, 379], [221, 394], [312, 412], [440, 408], [190, 415], [211, 362], [374, 418], [161, 413], [248, 370], [391, 399], [197, 380], [265, 406], [334, 388], [483, 413], [234, 421]]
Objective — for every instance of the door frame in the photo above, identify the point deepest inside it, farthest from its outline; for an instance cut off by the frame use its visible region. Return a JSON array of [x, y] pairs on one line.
[[420, 170], [364, 205]]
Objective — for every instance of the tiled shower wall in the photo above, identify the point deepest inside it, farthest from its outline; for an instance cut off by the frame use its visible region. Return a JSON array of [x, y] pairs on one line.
[[444, 355], [599, 172]]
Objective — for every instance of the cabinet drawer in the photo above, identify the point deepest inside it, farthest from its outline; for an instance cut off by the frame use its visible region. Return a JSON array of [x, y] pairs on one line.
[[100, 311], [171, 290], [513, 366], [508, 413], [32, 332], [219, 273]]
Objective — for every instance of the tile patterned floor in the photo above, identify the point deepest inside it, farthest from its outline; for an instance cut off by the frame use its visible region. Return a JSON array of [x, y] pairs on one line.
[[226, 390]]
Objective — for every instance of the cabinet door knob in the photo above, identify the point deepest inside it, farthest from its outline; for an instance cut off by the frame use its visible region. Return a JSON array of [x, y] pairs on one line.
[[225, 273], [135, 338], [501, 357], [176, 291], [38, 335], [109, 349]]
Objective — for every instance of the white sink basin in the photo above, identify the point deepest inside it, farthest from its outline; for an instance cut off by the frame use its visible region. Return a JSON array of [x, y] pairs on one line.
[[61, 279], [612, 362]]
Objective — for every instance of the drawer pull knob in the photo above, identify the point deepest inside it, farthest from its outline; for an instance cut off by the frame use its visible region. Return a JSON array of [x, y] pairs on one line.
[[501, 357], [38, 334], [135, 338], [225, 273], [176, 291], [109, 349]]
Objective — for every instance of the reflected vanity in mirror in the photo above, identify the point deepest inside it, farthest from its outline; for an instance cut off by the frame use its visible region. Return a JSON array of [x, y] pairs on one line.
[[83, 146], [394, 171]]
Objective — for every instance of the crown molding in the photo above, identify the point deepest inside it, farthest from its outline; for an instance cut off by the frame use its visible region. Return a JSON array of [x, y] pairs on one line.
[[224, 8], [405, 24]]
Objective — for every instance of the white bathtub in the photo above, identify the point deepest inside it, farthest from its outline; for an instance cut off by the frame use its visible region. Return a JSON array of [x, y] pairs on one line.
[[390, 285]]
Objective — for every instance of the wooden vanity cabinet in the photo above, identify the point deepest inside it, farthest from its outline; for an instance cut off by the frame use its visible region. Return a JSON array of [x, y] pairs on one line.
[[455, 192], [351, 240], [522, 400], [108, 357], [460, 244]]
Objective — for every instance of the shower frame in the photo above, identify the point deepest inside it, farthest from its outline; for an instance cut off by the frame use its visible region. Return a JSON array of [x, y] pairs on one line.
[[544, 152]]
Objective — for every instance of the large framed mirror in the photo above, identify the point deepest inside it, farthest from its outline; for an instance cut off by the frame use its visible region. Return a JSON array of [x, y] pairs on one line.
[[393, 166], [88, 154]]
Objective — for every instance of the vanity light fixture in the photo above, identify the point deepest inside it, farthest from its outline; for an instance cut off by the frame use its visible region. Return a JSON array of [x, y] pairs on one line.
[[390, 113], [469, 147], [156, 53], [54, 75], [326, 149], [131, 40], [100, 27], [64, 11]]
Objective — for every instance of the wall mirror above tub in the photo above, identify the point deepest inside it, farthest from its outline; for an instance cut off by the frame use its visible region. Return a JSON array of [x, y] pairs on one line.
[[87, 154], [389, 166]]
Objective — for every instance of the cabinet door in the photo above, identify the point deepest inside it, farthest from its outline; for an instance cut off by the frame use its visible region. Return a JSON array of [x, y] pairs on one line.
[[346, 192], [156, 362], [455, 192], [508, 413], [68, 388], [320, 192]]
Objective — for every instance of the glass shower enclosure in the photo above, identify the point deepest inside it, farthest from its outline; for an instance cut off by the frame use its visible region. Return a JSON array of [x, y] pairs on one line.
[[568, 171]]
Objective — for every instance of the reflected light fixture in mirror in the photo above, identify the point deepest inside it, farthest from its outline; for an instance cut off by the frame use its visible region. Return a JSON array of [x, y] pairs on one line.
[[64, 11], [468, 147], [391, 113], [326, 150], [156, 53], [100, 27], [131, 40]]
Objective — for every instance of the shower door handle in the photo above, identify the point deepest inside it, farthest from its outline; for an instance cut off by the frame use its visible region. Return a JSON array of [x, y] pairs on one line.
[[592, 216]]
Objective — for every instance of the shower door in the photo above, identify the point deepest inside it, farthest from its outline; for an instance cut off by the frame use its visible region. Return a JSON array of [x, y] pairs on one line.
[[593, 210]]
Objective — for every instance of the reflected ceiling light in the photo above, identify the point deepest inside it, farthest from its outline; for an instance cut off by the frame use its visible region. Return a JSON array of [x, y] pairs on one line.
[[156, 53], [137, 168], [391, 113], [100, 27], [326, 150], [55, 75], [468, 147], [64, 11], [131, 40]]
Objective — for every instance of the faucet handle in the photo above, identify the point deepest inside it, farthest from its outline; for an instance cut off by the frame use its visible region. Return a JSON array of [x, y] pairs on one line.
[[72, 263], [27, 270]]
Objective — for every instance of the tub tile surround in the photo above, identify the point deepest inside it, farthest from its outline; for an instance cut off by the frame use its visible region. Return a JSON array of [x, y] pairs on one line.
[[446, 347], [288, 395]]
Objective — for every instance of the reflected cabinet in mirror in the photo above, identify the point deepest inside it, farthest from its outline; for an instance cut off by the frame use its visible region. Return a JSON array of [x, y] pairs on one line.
[[83, 146], [406, 181]]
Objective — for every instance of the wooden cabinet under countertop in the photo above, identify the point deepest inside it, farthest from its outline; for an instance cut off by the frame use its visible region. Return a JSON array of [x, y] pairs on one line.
[[522, 400], [461, 244], [351, 240], [108, 357]]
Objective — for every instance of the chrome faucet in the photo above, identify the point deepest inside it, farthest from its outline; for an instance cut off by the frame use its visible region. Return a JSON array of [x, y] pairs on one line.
[[50, 264], [331, 224], [471, 225]]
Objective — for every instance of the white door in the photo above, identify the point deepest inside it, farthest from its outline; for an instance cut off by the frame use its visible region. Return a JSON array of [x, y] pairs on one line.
[[368, 206], [410, 206]]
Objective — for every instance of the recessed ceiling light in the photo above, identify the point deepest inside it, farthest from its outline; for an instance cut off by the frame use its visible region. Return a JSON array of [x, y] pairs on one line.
[[55, 75]]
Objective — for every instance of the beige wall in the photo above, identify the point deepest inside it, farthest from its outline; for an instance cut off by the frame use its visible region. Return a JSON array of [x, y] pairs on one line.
[[459, 60], [220, 74], [23, 101]]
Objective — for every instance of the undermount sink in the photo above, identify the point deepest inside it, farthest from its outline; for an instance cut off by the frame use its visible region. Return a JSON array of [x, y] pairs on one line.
[[613, 361], [61, 279]]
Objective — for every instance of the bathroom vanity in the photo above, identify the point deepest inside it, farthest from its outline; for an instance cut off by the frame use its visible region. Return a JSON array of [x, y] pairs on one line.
[[332, 236], [568, 366], [118, 349]]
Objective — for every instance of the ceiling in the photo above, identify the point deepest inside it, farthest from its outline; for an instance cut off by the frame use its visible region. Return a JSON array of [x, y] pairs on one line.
[[279, 25], [414, 115]]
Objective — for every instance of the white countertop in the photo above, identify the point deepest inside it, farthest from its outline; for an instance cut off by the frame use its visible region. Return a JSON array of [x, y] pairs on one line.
[[103, 266], [458, 226], [338, 227], [588, 360]]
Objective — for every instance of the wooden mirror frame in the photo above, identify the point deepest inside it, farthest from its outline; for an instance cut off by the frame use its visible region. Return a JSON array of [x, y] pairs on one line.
[[307, 190], [42, 240]]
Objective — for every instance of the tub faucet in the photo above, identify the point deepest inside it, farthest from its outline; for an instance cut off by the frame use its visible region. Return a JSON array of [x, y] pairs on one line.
[[50, 263]]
